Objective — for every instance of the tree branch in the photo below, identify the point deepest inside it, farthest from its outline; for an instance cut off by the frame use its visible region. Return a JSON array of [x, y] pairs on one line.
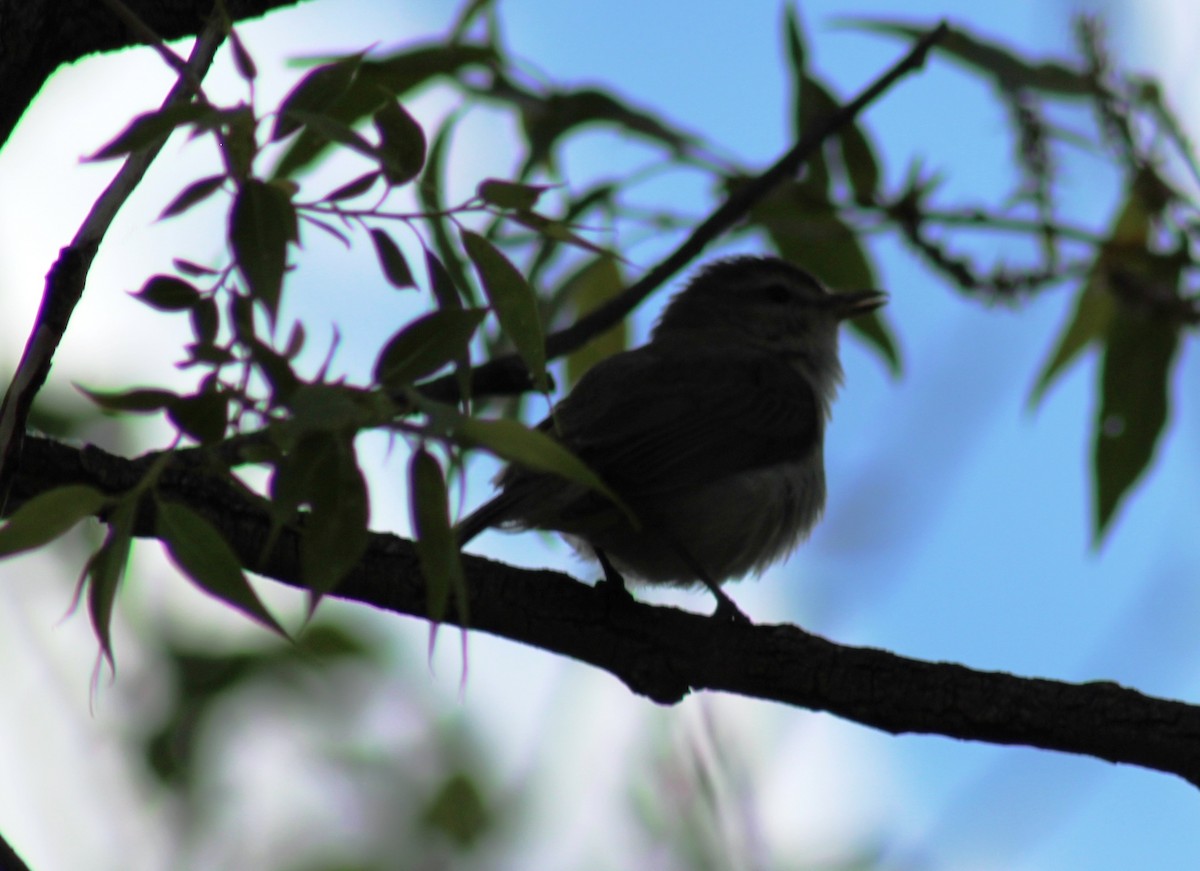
[[664, 653], [39, 36], [736, 206]]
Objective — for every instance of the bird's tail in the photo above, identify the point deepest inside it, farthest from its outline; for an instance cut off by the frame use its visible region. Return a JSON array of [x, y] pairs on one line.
[[491, 513]]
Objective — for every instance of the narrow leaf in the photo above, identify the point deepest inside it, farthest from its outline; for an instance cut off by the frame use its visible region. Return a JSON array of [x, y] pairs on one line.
[[315, 92], [401, 143], [513, 301], [141, 400], [262, 223], [437, 548], [510, 194], [395, 267], [149, 128], [201, 553], [105, 569], [426, 345], [589, 288], [335, 535], [168, 293], [1134, 388], [196, 192], [47, 516], [1094, 310]]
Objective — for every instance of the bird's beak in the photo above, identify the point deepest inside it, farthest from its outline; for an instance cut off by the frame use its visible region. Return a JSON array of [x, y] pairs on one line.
[[857, 302]]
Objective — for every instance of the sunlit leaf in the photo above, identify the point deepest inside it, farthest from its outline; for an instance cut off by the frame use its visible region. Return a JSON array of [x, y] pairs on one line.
[[1134, 387], [597, 282], [47, 516], [513, 301], [426, 345], [200, 551]]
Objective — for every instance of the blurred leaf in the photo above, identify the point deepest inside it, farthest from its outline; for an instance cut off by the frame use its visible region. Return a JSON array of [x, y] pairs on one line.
[[201, 553], [1000, 63], [446, 294], [862, 166], [401, 143], [47, 516], [335, 534], [334, 130], [195, 270], [550, 118], [510, 194], [378, 80], [556, 230], [446, 272], [426, 345], [437, 548], [168, 293], [1094, 310], [807, 230], [513, 301], [147, 129], [595, 284], [241, 57], [262, 223], [458, 811], [395, 267], [352, 189], [316, 92], [194, 193], [203, 416], [206, 320], [140, 400], [1134, 390], [105, 569]]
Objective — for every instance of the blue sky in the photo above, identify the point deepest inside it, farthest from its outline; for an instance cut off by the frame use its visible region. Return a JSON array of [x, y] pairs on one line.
[[957, 526]]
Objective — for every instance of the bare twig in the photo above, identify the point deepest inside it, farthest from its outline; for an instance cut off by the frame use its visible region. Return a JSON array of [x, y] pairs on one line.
[[735, 207]]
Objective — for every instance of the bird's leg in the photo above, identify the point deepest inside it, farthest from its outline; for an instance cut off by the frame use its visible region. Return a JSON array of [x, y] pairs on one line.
[[727, 610], [612, 583]]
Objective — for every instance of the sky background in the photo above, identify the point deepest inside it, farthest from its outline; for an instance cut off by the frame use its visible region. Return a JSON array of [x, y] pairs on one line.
[[957, 524]]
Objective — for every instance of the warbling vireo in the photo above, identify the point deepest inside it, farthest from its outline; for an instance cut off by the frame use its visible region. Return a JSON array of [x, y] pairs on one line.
[[711, 433]]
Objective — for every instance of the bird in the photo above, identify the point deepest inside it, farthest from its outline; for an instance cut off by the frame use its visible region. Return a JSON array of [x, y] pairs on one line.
[[711, 434]]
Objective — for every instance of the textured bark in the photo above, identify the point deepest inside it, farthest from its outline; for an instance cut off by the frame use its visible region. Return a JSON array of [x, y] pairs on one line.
[[664, 653], [38, 36]]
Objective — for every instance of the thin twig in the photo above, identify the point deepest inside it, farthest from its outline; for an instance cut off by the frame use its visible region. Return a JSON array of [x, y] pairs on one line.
[[66, 279], [735, 207]]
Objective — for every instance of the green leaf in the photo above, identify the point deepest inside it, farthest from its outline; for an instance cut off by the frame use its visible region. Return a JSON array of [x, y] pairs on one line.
[[401, 143], [437, 548], [1094, 310], [105, 569], [395, 267], [142, 400], [352, 189], [510, 194], [335, 534], [458, 812], [378, 80], [513, 441], [556, 230], [862, 166], [1134, 387], [261, 225], [547, 120], [168, 294], [807, 230], [196, 192], [513, 301], [47, 516], [241, 57], [426, 345], [999, 62], [595, 284], [446, 271], [203, 416], [316, 92], [201, 553], [334, 130], [150, 128]]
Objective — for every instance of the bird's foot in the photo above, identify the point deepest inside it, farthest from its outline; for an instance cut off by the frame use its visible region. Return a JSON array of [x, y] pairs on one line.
[[727, 610]]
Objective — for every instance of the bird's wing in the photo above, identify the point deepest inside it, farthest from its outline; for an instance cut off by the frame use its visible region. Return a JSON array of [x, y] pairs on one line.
[[657, 420]]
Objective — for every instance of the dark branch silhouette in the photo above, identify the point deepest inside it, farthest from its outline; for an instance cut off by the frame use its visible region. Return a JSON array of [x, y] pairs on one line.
[[664, 653]]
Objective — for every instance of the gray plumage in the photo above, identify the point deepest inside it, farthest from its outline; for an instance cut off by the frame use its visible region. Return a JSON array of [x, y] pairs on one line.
[[711, 432]]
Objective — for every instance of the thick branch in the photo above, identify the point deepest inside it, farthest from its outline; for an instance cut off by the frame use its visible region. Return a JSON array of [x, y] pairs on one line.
[[664, 653], [38, 36]]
